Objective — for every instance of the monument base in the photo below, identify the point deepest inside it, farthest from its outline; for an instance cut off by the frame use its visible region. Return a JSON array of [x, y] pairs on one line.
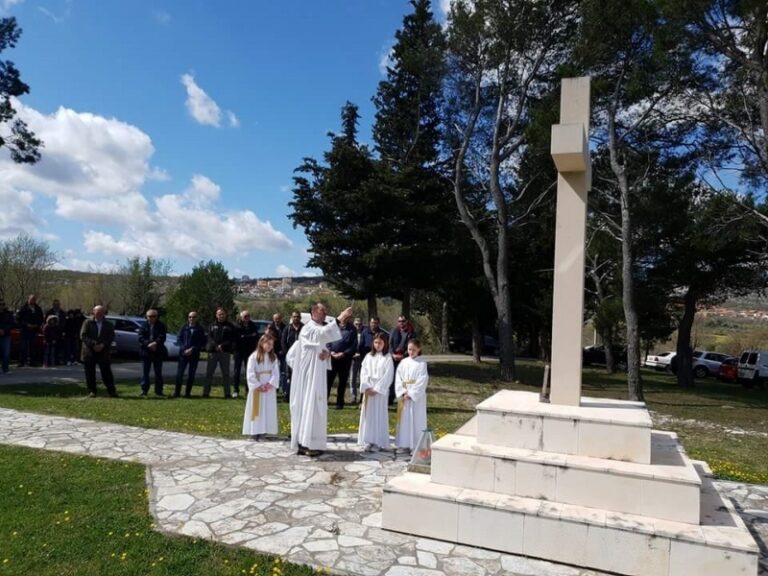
[[661, 518]]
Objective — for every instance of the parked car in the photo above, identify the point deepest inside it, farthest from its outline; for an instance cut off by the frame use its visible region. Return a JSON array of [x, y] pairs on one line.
[[596, 355], [729, 370], [127, 336], [660, 361], [753, 368], [707, 363], [463, 343], [38, 345], [704, 363]]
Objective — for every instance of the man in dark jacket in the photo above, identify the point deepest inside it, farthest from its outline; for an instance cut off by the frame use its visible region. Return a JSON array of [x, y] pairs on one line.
[[61, 348], [152, 351], [247, 338], [341, 361], [6, 324], [278, 327], [191, 342], [398, 347], [222, 336], [287, 339], [30, 320], [97, 335]]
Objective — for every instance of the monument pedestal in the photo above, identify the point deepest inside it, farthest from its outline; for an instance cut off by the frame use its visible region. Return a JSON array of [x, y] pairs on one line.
[[588, 485]]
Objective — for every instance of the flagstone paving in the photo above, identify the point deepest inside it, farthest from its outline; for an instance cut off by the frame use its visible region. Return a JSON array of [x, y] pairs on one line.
[[325, 512]]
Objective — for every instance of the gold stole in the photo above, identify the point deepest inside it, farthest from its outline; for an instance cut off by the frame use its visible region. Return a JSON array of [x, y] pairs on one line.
[[256, 408], [401, 400]]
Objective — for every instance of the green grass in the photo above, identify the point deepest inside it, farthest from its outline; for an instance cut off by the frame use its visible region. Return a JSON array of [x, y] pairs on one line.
[[454, 390], [68, 515]]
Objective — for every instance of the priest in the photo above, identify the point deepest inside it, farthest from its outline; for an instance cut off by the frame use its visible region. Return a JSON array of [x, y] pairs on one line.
[[309, 359]]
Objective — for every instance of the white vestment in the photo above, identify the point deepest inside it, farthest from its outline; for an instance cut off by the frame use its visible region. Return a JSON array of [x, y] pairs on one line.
[[411, 380], [309, 385], [375, 374], [261, 407]]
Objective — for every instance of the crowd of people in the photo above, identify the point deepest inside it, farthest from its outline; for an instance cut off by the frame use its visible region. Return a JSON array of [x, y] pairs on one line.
[[60, 330], [300, 361]]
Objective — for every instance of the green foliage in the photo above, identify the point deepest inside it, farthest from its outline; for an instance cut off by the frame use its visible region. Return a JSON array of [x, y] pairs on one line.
[[341, 216], [205, 289], [22, 144], [139, 283]]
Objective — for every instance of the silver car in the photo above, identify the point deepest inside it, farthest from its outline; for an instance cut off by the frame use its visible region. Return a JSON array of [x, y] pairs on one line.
[[127, 335]]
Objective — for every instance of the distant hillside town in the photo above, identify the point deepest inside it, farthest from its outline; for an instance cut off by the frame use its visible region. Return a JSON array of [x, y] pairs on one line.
[[279, 287]]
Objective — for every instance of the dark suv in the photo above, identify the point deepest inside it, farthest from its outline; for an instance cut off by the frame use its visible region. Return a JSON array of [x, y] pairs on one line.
[[596, 355]]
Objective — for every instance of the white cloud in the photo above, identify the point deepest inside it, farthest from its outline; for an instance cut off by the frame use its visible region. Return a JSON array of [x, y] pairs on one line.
[[87, 266], [283, 270], [161, 16], [17, 215], [159, 174], [444, 6], [93, 170], [6, 5], [56, 19], [94, 167], [185, 225], [201, 106], [233, 120], [386, 61], [202, 191]]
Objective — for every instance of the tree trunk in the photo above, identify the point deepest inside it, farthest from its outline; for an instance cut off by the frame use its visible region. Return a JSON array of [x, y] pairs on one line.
[[444, 329], [506, 341], [373, 307], [610, 361], [684, 358], [477, 340], [405, 310], [634, 382]]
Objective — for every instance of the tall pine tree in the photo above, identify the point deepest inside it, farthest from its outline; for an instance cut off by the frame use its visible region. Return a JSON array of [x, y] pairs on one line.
[[407, 136]]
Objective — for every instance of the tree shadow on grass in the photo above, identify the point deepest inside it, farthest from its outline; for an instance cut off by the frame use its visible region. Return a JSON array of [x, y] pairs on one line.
[[60, 389]]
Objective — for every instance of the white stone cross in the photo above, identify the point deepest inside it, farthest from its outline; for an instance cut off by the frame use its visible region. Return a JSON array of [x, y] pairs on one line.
[[570, 151]]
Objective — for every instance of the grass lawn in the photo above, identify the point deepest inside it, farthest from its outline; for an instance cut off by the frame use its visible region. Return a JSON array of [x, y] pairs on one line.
[[68, 515], [723, 424]]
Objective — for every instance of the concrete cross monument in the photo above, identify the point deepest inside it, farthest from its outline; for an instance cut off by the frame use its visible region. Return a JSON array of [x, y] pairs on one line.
[[570, 151], [579, 480]]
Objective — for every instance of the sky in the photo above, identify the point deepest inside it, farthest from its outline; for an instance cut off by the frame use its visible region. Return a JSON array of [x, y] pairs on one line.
[[171, 129]]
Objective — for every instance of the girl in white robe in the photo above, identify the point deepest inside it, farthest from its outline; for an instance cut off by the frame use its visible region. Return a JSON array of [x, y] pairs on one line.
[[263, 376], [411, 382], [375, 378]]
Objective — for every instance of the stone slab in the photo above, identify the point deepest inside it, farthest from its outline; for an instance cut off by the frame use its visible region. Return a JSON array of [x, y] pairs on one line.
[[598, 428]]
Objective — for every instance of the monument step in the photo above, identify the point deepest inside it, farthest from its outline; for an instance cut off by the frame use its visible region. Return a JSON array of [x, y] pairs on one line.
[[667, 488], [610, 541], [598, 427]]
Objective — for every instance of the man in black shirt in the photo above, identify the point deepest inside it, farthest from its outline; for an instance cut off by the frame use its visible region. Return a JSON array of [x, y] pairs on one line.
[[30, 320], [222, 336]]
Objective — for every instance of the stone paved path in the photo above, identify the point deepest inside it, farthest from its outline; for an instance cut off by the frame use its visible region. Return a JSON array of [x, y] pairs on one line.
[[324, 512]]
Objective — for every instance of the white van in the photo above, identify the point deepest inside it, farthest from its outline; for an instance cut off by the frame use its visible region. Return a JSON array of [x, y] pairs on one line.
[[753, 368]]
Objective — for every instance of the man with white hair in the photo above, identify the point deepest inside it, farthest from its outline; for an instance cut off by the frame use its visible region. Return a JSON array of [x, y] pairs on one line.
[[310, 361], [97, 335]]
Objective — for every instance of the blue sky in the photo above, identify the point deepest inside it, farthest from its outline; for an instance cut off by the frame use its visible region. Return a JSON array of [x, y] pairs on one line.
[[172, 128]]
